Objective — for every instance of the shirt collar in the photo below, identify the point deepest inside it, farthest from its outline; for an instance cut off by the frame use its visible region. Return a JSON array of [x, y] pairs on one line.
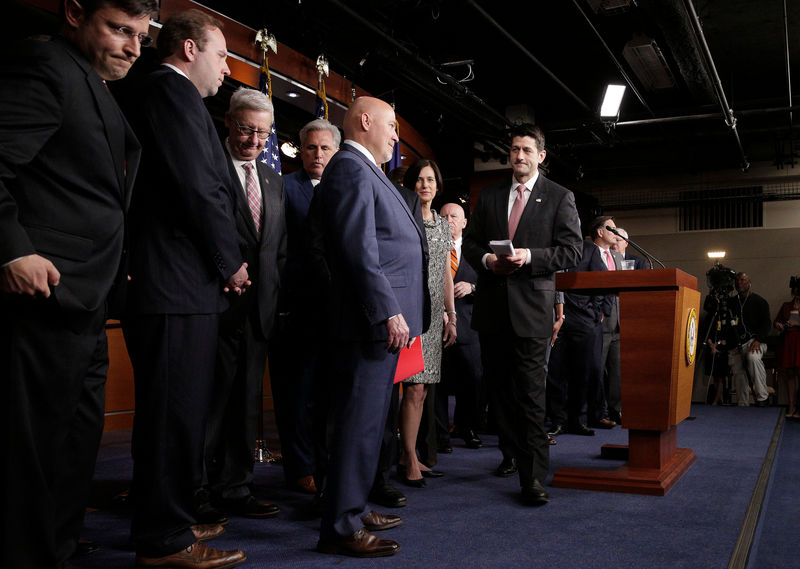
[[529, 184], [362, 150]]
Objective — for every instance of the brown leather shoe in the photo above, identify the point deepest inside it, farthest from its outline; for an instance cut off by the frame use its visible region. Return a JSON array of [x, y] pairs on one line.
[[374, 521], [360, 544], [604, 424], [204, 532], [196, 556], [306, 484]]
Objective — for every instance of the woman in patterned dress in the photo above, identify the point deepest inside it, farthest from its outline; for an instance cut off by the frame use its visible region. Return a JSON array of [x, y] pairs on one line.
[[426, 180]]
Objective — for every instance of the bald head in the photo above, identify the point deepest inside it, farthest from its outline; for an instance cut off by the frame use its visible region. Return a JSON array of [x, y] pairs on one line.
[[454, 215], [371, 123]]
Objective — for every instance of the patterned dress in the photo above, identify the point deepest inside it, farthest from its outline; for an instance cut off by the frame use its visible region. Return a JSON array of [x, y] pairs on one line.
[[437, 232]]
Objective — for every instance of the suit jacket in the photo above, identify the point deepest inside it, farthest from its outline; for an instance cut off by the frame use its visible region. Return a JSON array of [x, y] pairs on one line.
[[582, 308], [611, 310], [264, 251], [464, 305], [184, 243], [550, 228], [299, 193], [373, 249], [67, 162]]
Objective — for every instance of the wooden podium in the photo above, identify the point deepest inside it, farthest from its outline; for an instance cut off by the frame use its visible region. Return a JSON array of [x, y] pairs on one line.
[[659, 312]]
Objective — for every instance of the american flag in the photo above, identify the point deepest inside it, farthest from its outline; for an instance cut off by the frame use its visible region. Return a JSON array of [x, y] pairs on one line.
[[271, 155]]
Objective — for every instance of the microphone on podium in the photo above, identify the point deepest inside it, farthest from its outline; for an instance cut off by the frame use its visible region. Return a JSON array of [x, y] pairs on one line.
[[650, 258]]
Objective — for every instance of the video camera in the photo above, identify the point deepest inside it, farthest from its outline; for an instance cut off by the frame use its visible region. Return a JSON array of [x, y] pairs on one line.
[[721, 281]]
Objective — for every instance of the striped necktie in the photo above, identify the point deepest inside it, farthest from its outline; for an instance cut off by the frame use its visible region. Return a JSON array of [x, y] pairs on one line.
[[253, 195], [453, 261]]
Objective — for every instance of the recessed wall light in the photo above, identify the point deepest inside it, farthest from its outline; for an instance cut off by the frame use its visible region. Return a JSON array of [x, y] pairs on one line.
[[716, 254], [292, 94]]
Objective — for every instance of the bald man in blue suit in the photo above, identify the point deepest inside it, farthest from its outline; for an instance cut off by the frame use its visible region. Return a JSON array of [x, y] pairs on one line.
[[374, 251]]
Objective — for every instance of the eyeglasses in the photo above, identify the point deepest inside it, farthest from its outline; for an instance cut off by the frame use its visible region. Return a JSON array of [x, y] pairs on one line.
[[247, 131], [122, 31]]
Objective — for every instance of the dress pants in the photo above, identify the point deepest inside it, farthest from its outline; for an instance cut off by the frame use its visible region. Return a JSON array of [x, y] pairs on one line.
[[515, 371], [612, 384], [755, 369], [292, 357], [462, 374], [362, 373], [233, 418], [53, 374], [173, 358]]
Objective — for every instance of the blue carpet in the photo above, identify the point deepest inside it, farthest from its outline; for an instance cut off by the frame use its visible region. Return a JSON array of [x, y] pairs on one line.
[[776, 545], [471, 519]]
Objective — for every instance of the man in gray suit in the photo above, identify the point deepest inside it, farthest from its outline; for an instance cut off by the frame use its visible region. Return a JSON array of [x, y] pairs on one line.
[[245, 328]]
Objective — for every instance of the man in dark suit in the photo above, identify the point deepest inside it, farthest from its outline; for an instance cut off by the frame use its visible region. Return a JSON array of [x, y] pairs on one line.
[[462, 371], [514, 303], [184, 254], [621, 247], [67, 162], [609, 396], [246, 327], [293, 353], [375, 257], [575, 360]]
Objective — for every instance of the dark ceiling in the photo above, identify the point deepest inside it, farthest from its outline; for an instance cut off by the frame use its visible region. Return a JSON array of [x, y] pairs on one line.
[[550, 60]]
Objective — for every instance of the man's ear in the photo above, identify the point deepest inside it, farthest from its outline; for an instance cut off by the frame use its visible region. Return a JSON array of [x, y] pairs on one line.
[[190, 49], [74, 13]]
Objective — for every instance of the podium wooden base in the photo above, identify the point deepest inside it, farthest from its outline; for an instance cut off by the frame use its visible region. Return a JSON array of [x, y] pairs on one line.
[[654, 466]]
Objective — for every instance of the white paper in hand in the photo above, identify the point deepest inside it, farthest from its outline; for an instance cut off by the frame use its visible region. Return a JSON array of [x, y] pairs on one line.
[[502, 247]]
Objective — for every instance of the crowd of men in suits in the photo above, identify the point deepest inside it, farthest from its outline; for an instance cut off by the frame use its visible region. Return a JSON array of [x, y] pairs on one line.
[[205, 255]]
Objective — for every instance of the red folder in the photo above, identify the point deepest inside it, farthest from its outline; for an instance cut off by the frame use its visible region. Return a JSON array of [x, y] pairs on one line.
[[410, 361]]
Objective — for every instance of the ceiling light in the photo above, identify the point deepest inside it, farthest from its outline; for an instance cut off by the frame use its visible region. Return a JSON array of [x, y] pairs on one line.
[[289, 149], [612, 99], [292, 94], [716, 254]]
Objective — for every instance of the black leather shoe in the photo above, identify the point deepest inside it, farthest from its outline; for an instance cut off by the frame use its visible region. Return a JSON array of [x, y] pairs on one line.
[[556, 430], [507, 468], [580, 429], [402, 475], [471, 439], [208, 514], [535, 495], [387, 496], [250, 508], [444, 447], [604, 424], [431, 473]]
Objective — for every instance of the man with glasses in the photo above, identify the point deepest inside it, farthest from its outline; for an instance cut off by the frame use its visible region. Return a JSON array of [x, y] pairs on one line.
[[67, 162], [246, 326], [185, 256]]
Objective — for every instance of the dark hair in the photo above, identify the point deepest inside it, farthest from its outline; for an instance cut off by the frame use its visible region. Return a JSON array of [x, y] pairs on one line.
[[130, 7], [527, 129], [599, 223], [189, 24], [411, 175]]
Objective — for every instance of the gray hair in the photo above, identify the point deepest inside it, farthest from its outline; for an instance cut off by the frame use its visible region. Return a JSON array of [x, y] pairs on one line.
[[320, 124], [250, 99], [623, 232]]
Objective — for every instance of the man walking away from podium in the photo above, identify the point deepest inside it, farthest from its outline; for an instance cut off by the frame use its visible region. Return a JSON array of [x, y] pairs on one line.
[[246, 327], [67, 163], [746, 361], [513, 310]]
